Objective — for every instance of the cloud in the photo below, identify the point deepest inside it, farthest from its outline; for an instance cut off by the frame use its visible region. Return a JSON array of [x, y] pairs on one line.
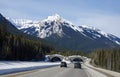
[[107, 23]]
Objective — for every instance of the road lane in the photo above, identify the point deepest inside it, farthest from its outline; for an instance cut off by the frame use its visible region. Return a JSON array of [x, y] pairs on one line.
[[57, 72]]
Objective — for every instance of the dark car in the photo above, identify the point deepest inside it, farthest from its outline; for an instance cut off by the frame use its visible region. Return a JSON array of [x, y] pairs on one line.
[[63, 64], [77, 65]]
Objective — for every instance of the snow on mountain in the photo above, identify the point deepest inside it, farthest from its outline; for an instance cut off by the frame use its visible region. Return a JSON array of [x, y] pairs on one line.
[[44, 28], [54, 25], [93, 29], [23, 23], [56, 17], [98, 34]]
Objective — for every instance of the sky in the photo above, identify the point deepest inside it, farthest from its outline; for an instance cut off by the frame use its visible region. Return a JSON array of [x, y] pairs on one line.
[[101, 14]]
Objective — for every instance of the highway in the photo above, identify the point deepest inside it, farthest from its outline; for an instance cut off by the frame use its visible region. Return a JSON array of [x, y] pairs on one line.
[[70, 71]]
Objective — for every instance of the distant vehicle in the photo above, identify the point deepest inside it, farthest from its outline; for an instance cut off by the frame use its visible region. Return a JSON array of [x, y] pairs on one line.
[[77, 65], [63, 64]]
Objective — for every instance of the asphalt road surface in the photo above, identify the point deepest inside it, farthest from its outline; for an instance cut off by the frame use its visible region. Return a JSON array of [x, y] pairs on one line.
[[70, 71]]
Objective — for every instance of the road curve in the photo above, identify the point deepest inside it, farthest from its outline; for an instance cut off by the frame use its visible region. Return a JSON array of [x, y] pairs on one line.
[[70, 71]]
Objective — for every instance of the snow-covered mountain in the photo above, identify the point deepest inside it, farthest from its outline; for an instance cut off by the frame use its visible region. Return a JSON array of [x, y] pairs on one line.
[[64, 33], [43, 28]]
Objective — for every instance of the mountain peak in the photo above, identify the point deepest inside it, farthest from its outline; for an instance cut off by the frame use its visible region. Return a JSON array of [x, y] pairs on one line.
[[54, 17]]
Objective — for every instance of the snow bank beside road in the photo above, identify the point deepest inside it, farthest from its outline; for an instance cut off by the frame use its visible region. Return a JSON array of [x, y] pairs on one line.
[[7, 67], [108, 72], [92, 73]]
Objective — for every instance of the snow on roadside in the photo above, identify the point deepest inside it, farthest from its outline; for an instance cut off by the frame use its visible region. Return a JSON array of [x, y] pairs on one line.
[[112, 73], [67, 61], [7, 67], [93, 73]]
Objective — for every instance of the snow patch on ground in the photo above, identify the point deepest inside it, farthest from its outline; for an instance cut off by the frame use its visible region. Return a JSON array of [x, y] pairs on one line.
[[112, 73], [7, 67], [92, 73]]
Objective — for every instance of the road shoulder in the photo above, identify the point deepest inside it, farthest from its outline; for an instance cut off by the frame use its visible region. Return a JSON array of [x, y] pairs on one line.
[[103, 71]]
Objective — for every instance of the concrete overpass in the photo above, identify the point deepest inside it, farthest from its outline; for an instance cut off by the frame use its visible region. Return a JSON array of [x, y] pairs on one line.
[[57, 57], [75, 58]]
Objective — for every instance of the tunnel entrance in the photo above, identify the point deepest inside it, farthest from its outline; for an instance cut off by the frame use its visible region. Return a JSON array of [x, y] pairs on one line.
[[55, 59], [78, 60]]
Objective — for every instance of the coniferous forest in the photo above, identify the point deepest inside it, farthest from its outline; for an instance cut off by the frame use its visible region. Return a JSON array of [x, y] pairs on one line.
[[108, 59], [17, 47]]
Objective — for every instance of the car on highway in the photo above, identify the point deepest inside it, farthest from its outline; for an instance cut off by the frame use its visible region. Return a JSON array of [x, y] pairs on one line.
[[77, 65], [63, 64]]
